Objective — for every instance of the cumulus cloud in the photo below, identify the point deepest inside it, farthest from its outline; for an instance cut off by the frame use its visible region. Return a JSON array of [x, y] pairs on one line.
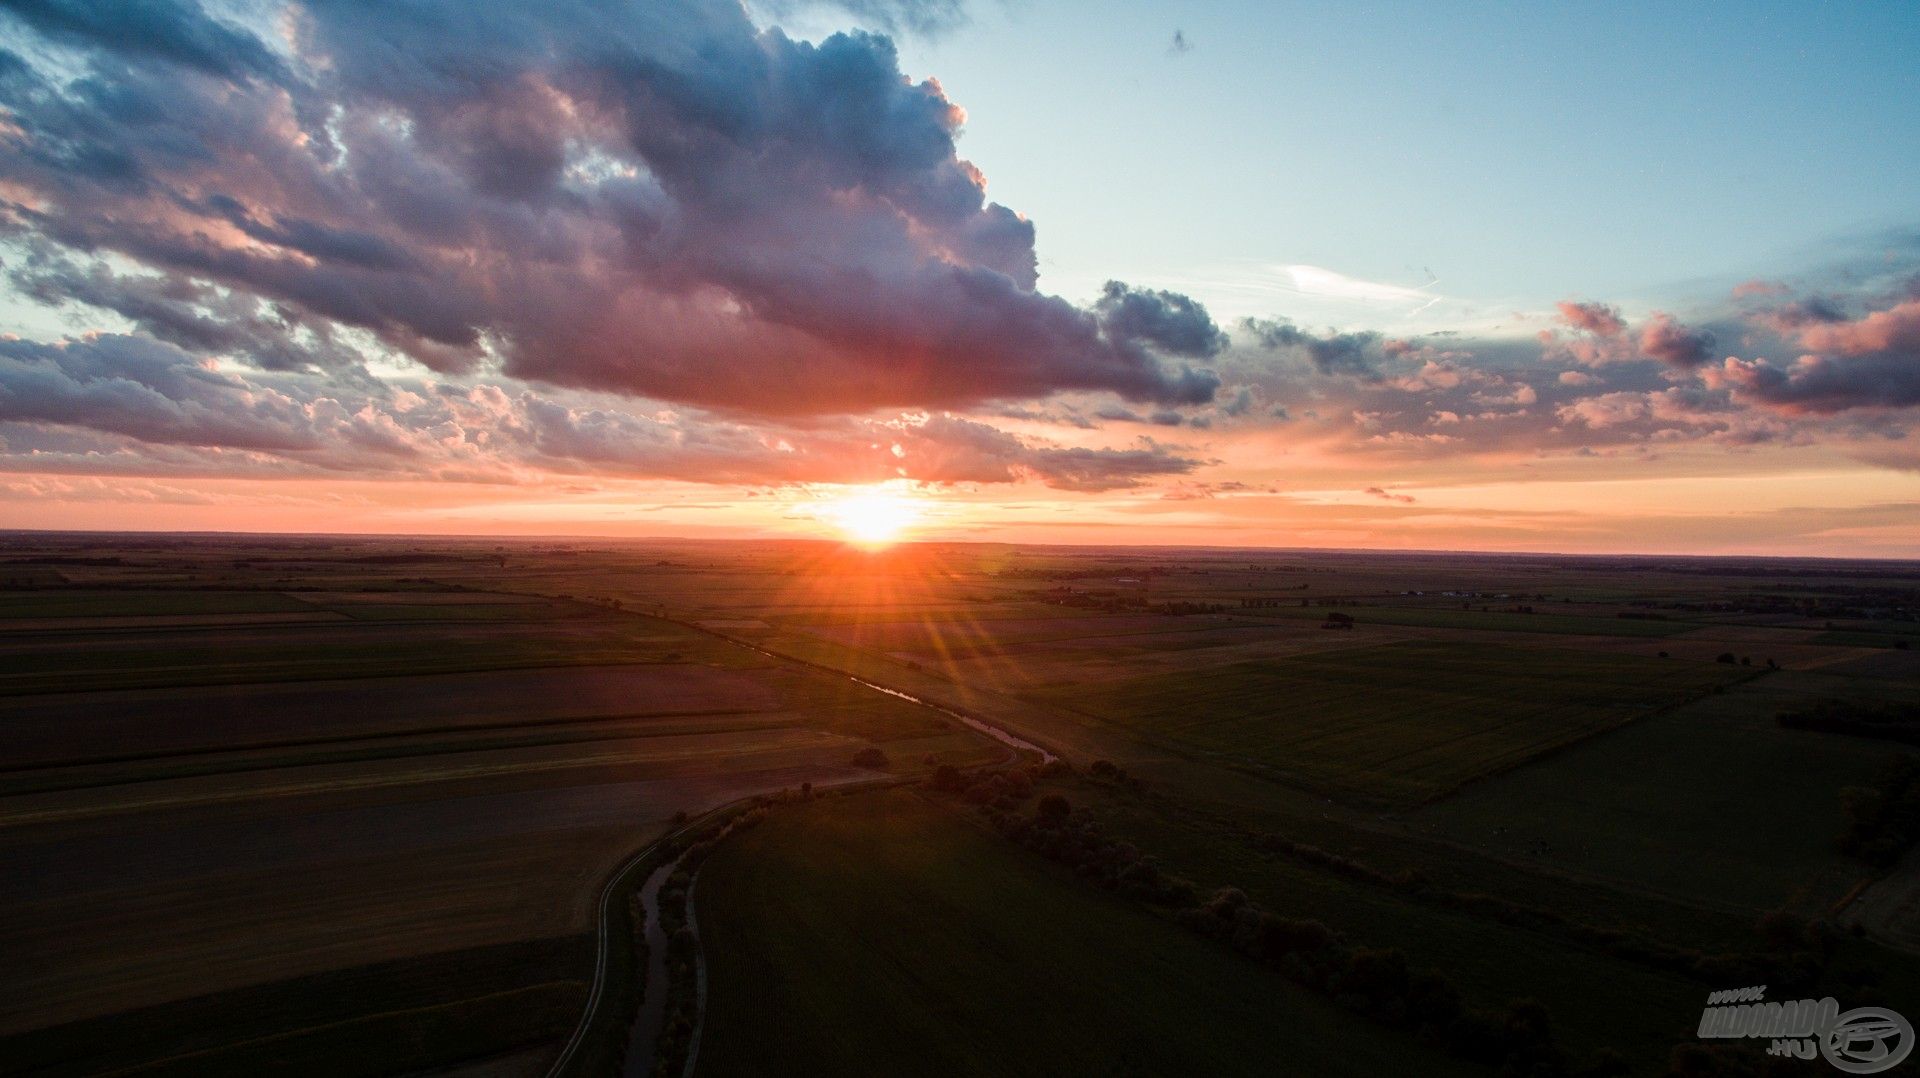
[[659, 200], [1819, 384], [1333, 353], [1894, 330], [1869, 362], [1602, 337], [1676, 345], [1599, 319], [927, 18], [659, 241]]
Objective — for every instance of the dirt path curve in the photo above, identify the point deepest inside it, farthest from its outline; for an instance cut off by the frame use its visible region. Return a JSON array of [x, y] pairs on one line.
[[1889, 908]]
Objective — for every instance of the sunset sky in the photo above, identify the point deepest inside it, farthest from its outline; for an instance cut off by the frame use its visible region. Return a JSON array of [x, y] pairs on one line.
[[1644, 278]]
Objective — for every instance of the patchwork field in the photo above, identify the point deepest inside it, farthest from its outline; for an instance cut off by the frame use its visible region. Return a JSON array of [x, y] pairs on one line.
[[222, 809], [347, 806]]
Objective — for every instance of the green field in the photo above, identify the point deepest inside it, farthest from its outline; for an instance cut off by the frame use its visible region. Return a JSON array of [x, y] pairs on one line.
[[128, 603], [1714, 802], [879, 934], [1399, 723], [1442, 617]]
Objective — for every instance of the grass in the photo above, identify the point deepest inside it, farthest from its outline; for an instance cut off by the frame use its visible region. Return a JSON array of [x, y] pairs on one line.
[[388, 1017], [1489, 620], [1867, 638], [131, 603], [139, 660], [1398, 723], [1597, 1001], [880, 934], [1714, 802]]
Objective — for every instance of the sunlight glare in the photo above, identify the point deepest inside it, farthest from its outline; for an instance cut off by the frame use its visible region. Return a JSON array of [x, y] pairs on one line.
[[873, 516]]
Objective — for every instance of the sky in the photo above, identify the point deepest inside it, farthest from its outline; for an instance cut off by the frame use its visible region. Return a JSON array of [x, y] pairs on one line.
[[1491, 277]]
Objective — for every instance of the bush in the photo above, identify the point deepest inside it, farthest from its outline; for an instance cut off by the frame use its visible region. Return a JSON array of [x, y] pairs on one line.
[[870, 758], [1883, 820], [1054, 808]]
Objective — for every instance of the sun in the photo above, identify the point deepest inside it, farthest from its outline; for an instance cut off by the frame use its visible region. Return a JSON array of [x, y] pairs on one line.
[[873, 516]]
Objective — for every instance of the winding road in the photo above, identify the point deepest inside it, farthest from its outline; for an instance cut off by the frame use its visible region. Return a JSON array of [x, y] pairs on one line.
[[657, 953]]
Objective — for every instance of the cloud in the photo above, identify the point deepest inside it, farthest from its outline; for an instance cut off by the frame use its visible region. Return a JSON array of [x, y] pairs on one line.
[[1607, 338], [1387, 495], [1896, 329], [1870, 362], [1821, 385], [1789, 318], [657, 200], [139, 406], [166, 30], [1335, 353], [1758, 287], [1179, 46], [147, 391], [926, 18], [1676, 345], [1599, 319]]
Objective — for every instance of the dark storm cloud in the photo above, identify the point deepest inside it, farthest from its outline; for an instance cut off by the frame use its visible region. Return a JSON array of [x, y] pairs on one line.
[[651, 199]]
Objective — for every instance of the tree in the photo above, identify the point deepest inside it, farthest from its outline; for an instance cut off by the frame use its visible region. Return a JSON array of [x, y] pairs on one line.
[[1053, 807], [871, 758]]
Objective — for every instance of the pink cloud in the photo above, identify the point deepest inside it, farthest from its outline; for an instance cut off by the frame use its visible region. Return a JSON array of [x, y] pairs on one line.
[[1599, 319], [1896, 329]]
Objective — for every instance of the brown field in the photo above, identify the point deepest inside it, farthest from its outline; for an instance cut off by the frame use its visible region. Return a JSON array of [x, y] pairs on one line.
[[177, 902], [253, 811], [40, 731]]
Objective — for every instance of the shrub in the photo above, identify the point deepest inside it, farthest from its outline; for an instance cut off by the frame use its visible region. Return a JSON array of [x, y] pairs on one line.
[[1054, 808]]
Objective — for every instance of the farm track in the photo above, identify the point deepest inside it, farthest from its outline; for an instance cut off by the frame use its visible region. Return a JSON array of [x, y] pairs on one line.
[[597, 993]]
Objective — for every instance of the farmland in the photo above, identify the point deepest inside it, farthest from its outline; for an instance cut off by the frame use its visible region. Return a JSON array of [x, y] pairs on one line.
[[267, 820], [902, 927], [293, 801], [1398, 722]]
